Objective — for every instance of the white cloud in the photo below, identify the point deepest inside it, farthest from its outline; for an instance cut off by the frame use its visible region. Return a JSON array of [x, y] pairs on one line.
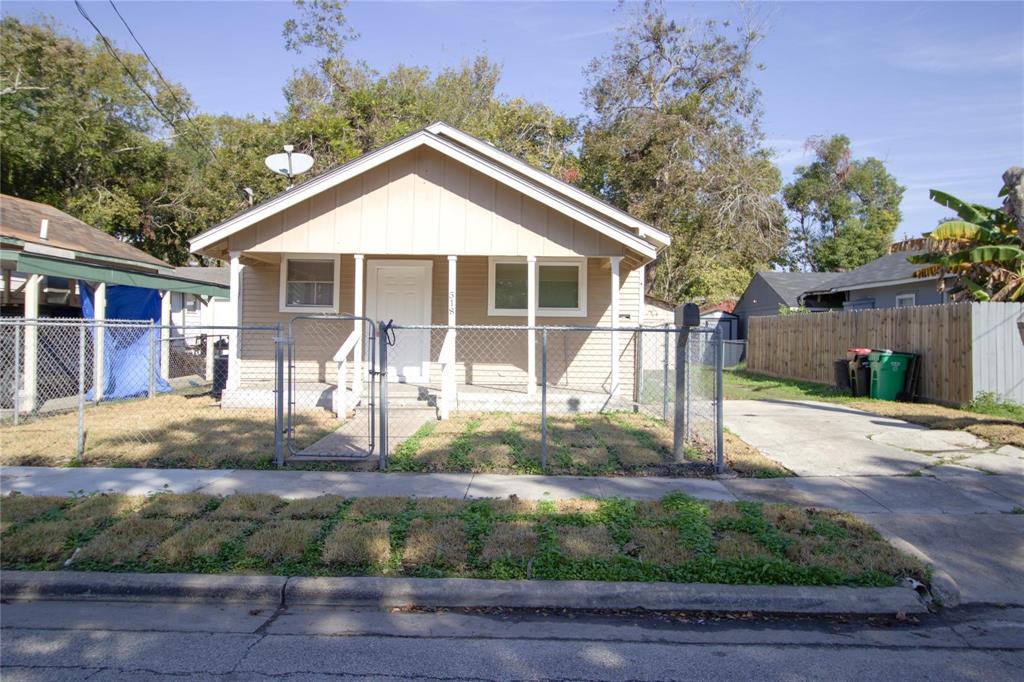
[[994, 53]]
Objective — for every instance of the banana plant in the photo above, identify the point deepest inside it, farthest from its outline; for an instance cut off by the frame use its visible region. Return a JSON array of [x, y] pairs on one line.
[[982, 248]]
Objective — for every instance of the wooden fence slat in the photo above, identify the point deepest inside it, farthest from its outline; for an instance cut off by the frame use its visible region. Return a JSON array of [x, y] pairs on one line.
[[805, 346]]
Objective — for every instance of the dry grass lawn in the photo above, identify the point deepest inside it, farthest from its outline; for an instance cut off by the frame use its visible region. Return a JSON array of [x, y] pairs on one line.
[[171, 430], [992, 429], [128, 541], [312, 507], [672, 539], [440, 543], [19, 508], [510, 540], [359, 544], [200, 539], [747, 460], [279, 540]]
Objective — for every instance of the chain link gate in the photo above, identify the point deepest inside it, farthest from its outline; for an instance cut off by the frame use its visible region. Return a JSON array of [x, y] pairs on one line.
[[331, 365]]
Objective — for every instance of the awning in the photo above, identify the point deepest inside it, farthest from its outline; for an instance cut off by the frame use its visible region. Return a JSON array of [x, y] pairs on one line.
[[55, 267]]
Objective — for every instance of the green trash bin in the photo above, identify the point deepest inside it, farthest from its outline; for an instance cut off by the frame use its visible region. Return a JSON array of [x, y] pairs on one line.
[[888, 373]]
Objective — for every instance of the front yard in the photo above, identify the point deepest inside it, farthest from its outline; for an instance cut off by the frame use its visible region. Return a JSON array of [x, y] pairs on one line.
[[677, 539], [992, 421]]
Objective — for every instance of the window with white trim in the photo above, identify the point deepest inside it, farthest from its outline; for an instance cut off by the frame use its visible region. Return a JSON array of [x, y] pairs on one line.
[[309, 284], [906, 300], [561, 287]]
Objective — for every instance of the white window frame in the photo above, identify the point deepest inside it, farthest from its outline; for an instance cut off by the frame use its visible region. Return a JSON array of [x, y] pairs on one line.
[[283, 276], [904, 297], [579, 263]]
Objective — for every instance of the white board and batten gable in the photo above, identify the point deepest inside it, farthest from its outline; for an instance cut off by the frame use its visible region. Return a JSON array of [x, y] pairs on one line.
[[437, 191]]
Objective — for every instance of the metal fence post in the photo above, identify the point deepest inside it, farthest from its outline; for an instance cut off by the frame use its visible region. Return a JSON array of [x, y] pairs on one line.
[[679, 422], [17, 372], [279, 398], [152, 360], [638, 381], [664, 376], [382, 373], [720, 404], [701, 348], [544, 400], [81, 392]]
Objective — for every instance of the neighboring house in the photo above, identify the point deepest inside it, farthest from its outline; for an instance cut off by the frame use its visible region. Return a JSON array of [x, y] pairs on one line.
[[191, 313], [768, 291], [720, 316], [886, 282], [55, 265], [438, 228], [658, 312]]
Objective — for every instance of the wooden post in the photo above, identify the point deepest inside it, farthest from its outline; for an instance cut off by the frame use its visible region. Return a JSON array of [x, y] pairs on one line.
[[357, 310], [234, 336], [33, 288], [616, 263], [99, 307], [165, 334], [448, 347]]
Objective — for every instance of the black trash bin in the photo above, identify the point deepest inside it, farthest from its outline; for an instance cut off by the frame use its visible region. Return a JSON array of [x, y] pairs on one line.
[[842, 370], [860, 376]]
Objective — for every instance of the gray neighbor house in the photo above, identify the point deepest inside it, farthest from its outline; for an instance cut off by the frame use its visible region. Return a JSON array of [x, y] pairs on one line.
[[886, 282]]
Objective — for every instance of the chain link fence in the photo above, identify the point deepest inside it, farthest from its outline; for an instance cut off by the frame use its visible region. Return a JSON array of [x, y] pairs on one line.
[[129, 393], [125, 393]]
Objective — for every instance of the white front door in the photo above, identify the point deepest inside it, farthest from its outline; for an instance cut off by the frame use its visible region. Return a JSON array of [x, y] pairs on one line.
[[399, 290]]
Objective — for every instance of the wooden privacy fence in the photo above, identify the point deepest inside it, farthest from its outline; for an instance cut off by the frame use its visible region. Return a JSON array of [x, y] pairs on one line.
[[965, 348]]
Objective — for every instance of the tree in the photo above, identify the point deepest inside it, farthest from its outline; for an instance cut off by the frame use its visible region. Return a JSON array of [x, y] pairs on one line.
[[843, 211], [674, 139], [982, 246]]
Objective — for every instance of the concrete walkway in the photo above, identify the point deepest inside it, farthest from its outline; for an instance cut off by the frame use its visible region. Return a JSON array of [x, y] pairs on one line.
[[829, 439]]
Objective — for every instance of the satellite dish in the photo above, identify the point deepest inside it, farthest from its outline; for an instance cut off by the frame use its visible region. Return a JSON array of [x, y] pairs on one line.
[[289, 164]]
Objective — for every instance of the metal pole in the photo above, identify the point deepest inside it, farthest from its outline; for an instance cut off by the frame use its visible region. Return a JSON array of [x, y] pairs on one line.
[[279, 399], [17, 371], [639, 370], [383, 374], [719, 405], [664, 378], [152, 360], [679, 421], [544, 400], [701, 347], [81, 392]]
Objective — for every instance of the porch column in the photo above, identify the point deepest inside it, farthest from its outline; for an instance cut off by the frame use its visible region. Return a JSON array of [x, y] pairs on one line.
[[234, 337], [360, 327], [616, 261], [165, 334], [448, 347], [531, 321], [99, 314], [33, 287]]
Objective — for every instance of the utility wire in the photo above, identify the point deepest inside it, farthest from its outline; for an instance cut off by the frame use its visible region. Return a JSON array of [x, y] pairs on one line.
[[131, 75]]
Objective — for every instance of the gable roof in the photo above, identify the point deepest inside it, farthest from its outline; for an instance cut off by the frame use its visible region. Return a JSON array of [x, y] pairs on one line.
[[219, 275], [890, 269], [478, 155], [20, 219], [789, 286]]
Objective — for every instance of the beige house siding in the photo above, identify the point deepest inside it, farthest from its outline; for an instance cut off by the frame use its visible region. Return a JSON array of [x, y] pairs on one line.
[[421, 204], [576, 358]]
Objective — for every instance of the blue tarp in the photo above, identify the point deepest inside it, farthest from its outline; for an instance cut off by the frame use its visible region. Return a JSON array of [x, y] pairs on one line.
[[126, 350]]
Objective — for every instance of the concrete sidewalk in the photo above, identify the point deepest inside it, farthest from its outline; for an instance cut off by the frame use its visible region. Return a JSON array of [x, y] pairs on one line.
[[952, 494]]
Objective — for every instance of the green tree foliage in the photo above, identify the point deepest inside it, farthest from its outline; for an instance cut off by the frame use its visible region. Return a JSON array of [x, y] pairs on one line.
[[843, 211], [982, 246], [675, 140]]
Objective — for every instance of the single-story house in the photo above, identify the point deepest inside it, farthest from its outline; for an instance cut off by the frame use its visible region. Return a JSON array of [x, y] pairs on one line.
[[54, 265], [437, 228], [886, 282], [770, 291]]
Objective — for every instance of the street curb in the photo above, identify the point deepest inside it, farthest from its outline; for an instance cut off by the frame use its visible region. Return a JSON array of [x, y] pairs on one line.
[[142, 587], [943, 586], [458, 593]]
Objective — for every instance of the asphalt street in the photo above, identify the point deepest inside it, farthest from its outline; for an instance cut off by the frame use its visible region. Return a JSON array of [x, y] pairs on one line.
[[126, 641]]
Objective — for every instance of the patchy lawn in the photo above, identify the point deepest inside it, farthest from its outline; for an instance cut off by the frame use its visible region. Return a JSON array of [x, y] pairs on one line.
[[591, 444], [175, 430], [996, 422], [677, 539]]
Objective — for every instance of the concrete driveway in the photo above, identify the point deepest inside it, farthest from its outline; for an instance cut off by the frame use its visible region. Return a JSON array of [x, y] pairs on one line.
[[827, 439]]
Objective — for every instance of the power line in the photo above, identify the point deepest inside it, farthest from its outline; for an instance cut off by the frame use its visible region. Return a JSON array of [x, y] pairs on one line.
[[131, 75]]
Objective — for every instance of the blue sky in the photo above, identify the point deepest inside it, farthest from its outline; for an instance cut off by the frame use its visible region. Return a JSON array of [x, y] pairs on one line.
[[936, 90]]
